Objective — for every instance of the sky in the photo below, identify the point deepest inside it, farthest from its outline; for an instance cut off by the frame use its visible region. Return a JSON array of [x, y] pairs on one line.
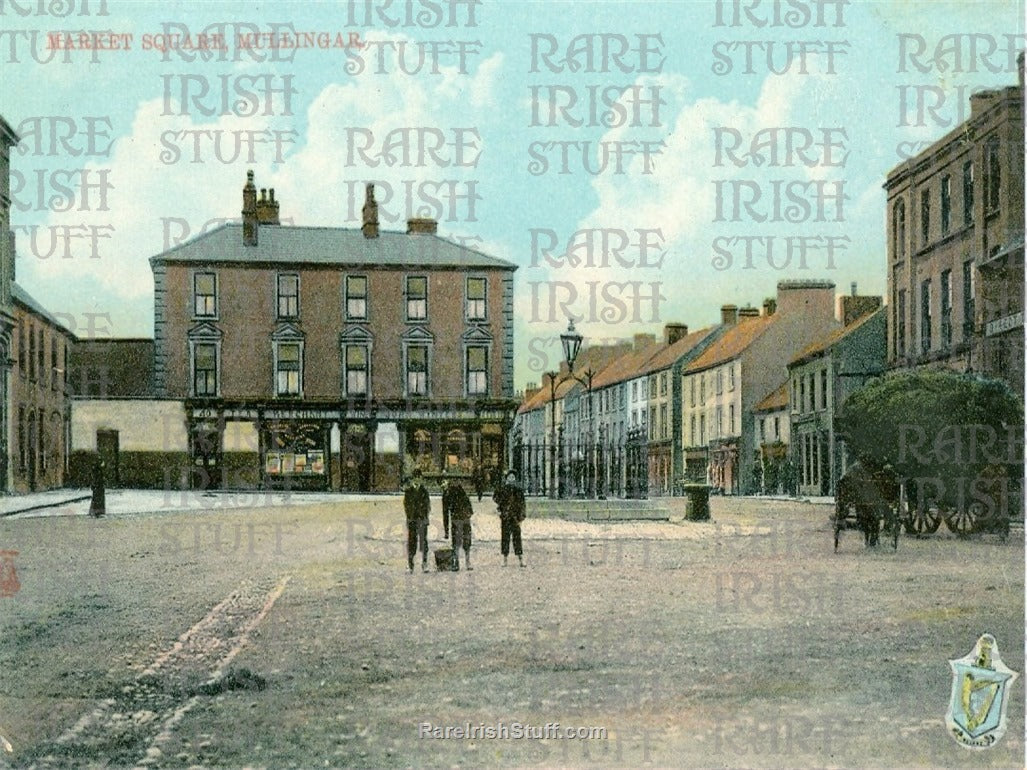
[[642, 163]]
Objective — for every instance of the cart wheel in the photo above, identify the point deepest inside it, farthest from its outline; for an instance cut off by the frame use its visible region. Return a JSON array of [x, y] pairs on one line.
[[964, 522], [923, 522]]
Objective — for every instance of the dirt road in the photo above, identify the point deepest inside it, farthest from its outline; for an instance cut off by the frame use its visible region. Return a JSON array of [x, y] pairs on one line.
[[295, 638]]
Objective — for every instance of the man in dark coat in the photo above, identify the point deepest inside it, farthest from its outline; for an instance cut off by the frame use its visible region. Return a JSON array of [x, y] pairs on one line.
[[509, 499], [447, 504], [461, 513], [417, 506], [98, 503], [478, 478]]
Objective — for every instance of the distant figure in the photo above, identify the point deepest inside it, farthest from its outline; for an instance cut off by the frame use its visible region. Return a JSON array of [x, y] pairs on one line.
[[98, 505], [461, 513], [447, 505], [478, 479], [509, 499], [417, 506]]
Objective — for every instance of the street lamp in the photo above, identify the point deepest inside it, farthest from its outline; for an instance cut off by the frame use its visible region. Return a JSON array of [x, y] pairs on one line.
[[571, 342]]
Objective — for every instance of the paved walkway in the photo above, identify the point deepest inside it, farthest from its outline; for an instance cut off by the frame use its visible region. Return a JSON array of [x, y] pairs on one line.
[[75, 502]]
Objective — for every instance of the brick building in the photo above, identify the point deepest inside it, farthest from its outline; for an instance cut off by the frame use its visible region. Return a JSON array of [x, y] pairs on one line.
[[333, 358], [34, 350], [40, 414], [8, 139], [955, 245]]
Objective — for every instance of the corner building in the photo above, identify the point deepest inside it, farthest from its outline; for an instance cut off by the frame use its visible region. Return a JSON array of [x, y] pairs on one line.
[[333, 358]]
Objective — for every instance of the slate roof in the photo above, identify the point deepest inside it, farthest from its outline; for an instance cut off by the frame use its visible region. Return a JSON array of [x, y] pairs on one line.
[[18, 294], [818, 347], [291, 245], [733, 342]]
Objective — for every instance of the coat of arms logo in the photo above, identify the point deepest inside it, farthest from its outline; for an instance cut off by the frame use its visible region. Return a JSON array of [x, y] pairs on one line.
[[976, 717]]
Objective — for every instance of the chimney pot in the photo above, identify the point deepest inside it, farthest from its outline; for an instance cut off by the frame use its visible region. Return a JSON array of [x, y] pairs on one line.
[[249, 211], [673, 332], [728, 314], [370, 213], [422, 225]]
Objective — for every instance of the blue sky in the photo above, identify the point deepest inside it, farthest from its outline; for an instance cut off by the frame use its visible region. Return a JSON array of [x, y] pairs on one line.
[[157, 190]]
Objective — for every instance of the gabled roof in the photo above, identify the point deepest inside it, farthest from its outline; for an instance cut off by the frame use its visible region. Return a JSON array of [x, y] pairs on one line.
[[671, 353], [290, 245], [627, 366], [589, 358], [776, 399], [733, 342], [825, 343], [18, 294]]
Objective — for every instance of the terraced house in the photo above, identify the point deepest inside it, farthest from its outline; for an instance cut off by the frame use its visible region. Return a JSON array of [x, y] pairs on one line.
[[722, 387]]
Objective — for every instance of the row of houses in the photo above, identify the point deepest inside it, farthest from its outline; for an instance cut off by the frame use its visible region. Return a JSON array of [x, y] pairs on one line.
[[717, 405], [748, 405]]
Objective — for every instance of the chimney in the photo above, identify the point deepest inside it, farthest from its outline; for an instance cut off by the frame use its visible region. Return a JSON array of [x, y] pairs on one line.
[[420, 225], [1019, 67], [643, 341], [813, 300], [855, 307], [749, 312], [530, 390], [728, 314], [769, 306], [370, 226], [853, 289], [249, 212], [672, 332], [267, 208]]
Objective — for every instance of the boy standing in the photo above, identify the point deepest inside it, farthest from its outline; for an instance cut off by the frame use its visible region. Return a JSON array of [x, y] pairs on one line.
[[461, 512], [509, 499], [417, 506]]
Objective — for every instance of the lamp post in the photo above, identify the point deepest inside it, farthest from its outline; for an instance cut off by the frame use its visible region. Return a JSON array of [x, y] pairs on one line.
[[570, 340]]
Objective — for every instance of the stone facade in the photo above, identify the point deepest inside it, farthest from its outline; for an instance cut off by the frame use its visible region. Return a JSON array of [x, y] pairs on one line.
[[955, 245]]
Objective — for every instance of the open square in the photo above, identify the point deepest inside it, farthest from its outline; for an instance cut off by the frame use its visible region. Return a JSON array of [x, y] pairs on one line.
[[293, 636]]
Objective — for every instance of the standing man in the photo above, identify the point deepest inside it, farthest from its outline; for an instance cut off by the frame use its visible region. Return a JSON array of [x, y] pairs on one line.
[[447, 505], [509, 499], [479, 481], [417, 505], [461, 513], [98, 503]]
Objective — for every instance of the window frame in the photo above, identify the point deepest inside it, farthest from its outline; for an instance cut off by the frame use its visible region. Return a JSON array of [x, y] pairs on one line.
[[193, 371], [407, 299], [213, 314], [277, 346], [280, 296], [347, 370], [348, 298], [484, 371], [925, 216], [407, 390], [468, 314], [968, 193]]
